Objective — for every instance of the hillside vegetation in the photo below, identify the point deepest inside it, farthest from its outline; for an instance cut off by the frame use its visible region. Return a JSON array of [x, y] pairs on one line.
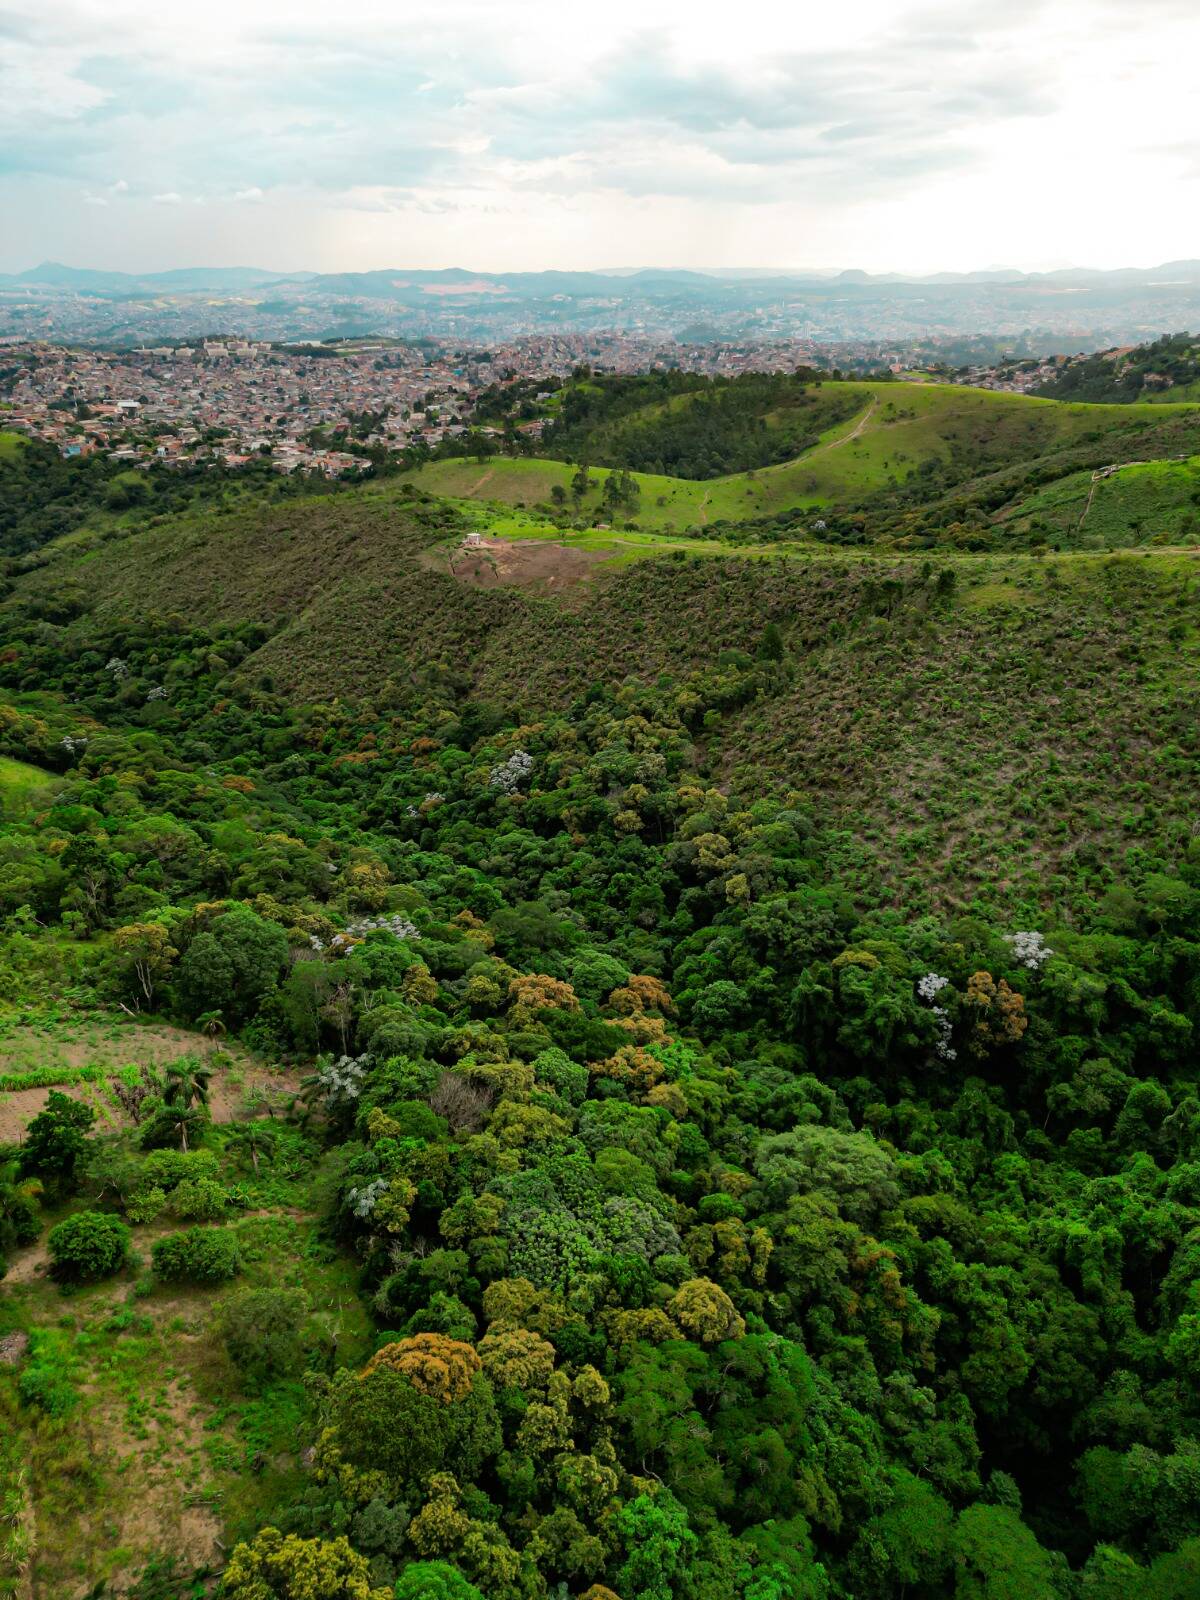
[[934, 463], [665, 1070], [1168, 370], [676, 424]]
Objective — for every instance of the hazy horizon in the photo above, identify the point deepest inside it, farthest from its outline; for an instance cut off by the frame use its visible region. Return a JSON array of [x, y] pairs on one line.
[[483, 269]]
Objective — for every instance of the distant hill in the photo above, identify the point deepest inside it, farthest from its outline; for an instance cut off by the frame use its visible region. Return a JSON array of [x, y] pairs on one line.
[[179, 280], [392, 282]]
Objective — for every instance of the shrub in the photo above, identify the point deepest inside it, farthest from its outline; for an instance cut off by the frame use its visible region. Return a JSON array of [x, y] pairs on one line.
[[91, 1244], [164, 1169], [201, 1255], [199, 1200], [46, 1385], [145, 1205], [260, 1329]]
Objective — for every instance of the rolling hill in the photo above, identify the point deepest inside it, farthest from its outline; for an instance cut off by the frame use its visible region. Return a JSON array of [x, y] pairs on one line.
[[656, 1061], [944, 447]]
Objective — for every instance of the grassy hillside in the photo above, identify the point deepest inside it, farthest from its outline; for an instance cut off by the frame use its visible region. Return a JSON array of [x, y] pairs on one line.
[[1146, 502], [689, 427], [22, 786], [903, 444]]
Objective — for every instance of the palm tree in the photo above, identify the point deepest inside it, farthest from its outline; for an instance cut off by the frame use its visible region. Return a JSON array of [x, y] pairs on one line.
[[212, 1026], [253, 1139], [187, 1094]]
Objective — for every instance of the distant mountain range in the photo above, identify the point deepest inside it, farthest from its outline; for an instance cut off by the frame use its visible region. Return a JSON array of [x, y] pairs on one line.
[[1067, 310], [400, 283]]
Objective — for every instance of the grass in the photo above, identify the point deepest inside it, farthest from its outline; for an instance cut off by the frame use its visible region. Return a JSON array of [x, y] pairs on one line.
[[164, 1450], [1155, 502], [898, 429], [11, 444], [23, 788]]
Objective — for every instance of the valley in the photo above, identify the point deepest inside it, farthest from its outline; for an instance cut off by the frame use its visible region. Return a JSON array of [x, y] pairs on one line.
[[569, 1031]]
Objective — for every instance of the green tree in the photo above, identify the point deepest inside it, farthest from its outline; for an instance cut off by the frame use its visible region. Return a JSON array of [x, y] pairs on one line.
[[261, 1331], [232, 965], [658, 1547], [55, 1141], [996, 1557], [279, 1567], [434, 1580], [383, 1420]]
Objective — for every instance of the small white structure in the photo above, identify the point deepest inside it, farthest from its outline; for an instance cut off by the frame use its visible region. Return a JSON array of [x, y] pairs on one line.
[[473, 539]]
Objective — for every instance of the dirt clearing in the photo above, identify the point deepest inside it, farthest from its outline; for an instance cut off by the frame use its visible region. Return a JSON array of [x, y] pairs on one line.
[[522, 563]]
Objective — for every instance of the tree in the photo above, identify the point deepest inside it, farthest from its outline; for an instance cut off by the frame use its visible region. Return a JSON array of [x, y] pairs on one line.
[[256, 1139], [705, 1312], [19, 1221], [383, 1420], [260, 1329], [906, 1544], [232, 965], [144, 949], [434, 1580], [54, 1142], [212, 1025], [659, 1547], [996, 1557], [434, 1365], [184, 1109], [275, 1567]]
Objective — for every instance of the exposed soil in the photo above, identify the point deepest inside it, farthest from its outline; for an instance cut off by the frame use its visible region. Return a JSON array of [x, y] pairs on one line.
[[89, 1044], [522, 563]]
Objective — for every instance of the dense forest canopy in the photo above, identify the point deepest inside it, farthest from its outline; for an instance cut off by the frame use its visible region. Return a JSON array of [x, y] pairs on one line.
[[687, 1084], [691, 427]]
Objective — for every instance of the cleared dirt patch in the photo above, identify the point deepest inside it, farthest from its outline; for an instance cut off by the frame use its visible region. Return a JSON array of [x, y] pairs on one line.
[[110, 1045], [522, 564]]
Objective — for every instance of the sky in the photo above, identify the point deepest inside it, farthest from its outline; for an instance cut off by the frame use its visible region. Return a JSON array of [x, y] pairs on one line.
[[523, 134]]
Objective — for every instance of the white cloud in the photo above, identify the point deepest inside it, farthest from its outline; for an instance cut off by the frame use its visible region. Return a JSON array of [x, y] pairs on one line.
[[894, 133]]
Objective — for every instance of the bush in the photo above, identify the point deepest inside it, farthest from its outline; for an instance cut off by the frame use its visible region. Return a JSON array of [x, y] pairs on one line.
[[201, 1255], [164, 1169], [46, 1384], [260, 1329], [91, 1244], [199, 1200], [145, 1205]]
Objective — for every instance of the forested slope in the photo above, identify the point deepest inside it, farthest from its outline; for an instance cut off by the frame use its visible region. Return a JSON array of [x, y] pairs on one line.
[[681, 1086]]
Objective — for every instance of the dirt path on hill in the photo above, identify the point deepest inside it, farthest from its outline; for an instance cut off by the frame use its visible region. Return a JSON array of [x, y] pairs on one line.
[[487, 478], [854, 433]]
